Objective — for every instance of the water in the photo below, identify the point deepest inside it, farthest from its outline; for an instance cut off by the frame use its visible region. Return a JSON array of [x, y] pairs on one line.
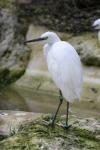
[[43, 102]]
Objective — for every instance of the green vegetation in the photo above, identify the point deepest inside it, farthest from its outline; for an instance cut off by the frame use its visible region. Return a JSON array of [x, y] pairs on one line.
[[91, 61], [38, 135], [41, 78], [6, 3], [8, 76]]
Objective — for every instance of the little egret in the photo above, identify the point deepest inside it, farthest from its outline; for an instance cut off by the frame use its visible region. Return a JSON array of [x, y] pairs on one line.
[[96, 25], [65, 68]]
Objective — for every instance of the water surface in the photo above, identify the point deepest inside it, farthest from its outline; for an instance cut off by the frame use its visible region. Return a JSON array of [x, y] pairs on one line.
[[14, 98]]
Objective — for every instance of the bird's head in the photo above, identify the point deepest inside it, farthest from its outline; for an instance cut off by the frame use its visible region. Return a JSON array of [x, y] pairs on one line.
[[47, 37], [96, 24]]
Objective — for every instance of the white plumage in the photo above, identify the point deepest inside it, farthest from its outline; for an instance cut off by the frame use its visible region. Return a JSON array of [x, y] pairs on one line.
[[96, 25], [64, 66]]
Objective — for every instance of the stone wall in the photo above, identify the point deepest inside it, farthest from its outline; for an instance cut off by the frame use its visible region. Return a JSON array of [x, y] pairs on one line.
[[15, 17], [14, 55]]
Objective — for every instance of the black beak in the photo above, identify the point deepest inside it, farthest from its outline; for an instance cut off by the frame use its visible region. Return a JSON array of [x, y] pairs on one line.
[[94, 26], [36, 40]]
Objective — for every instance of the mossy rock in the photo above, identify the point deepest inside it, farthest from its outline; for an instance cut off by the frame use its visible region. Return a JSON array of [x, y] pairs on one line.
[[6, 3], [91, 61], [37, 135], [8, 76]]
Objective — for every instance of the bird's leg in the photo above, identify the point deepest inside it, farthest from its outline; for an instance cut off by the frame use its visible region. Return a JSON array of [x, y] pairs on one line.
[[66, 126], [67, 114], [61, 100]]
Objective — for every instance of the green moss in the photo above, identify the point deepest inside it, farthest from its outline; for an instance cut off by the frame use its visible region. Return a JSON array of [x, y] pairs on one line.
[[15, 74], [85, 133], [30, 134], [8, 76], [6, 3], [91, 61], [4, 72], [42, 78]]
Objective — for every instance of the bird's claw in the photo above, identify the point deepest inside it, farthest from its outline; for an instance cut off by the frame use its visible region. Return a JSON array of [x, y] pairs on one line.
[[51, 124], [65, 126]]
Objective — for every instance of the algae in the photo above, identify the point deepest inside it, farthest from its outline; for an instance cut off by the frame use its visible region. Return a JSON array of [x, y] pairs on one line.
[[6, 3], [38, 135], [91, 61], [8, 76], [42, 78]]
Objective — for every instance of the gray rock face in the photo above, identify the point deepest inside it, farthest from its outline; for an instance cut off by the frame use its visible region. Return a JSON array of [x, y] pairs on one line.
[[7, 22], [87, 46], [14, 54], [15, 18], [10, 121], [24, 1]]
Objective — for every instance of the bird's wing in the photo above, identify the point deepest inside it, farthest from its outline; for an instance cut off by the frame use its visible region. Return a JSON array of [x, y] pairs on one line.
[[65, 68]]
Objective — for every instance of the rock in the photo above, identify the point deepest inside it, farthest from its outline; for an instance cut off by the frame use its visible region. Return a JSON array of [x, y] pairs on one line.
[[16, 17], [11, 120], [84, 134], [63, 16], [24, 1], [87, 46], [14, 55]]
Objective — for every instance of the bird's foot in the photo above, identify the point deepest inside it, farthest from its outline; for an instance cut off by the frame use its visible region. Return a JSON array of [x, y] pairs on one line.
[[66, 126]]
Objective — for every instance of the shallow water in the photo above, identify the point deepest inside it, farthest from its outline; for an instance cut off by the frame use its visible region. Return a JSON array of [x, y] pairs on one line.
[[13, 98]]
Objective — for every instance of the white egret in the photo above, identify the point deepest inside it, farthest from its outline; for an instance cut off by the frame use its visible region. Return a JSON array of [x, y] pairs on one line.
[[96, 25], [65, 68]]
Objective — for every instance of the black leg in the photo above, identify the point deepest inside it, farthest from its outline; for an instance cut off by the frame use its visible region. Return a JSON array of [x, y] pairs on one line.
[[61, 100], [66, 126], [67, 113]]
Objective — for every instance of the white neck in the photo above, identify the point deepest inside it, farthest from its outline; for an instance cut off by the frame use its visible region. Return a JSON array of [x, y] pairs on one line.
[[53, 40]]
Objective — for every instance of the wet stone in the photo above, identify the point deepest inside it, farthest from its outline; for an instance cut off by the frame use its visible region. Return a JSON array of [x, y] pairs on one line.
[[34, 134]]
